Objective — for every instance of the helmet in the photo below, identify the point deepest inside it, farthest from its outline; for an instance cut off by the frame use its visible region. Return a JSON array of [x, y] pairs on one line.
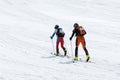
[[75, 25], [56, 26]]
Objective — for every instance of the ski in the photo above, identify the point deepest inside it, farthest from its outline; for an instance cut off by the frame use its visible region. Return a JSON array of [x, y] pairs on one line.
[[60, 55], [73, 61], [80, 60]]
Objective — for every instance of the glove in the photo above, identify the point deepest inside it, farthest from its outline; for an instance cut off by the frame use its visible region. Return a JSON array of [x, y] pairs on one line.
[[70, 38], [50, 37]]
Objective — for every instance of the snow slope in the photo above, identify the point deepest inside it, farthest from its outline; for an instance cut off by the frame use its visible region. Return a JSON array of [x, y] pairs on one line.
[[25, 46]]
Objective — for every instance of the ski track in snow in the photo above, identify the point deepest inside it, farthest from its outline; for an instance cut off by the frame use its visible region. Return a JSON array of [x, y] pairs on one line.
[[25, 47]]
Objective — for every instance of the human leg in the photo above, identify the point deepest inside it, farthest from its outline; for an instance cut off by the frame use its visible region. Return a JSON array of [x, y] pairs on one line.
[[86, 51], [76, 49], [62, 46], [57, 47]]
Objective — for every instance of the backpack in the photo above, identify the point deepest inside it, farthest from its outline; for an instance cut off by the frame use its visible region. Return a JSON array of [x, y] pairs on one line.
[[60, 32], [81, 30]]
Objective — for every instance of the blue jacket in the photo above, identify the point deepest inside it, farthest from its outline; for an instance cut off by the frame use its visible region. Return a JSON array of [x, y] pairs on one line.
[[54, 33]]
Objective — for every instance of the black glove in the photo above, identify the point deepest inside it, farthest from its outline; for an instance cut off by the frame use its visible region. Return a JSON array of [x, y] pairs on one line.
[[50, 37], [70, 38]]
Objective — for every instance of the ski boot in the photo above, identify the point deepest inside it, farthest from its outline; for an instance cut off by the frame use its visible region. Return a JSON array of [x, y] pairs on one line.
[[76, 59], [65, 53], [57, 54], [87, 58]]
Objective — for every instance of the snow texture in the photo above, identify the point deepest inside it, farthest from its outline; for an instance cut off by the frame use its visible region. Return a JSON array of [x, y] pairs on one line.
[[25, 44]]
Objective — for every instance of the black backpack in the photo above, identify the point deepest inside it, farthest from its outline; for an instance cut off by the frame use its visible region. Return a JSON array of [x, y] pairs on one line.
[[60, 32]]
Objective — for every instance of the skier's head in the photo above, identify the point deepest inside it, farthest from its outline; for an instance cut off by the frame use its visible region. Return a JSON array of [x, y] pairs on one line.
[[56, 26], [75, 25]]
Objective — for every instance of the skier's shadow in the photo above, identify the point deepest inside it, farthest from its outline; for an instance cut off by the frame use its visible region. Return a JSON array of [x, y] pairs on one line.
[[49, 57], [66, 62]]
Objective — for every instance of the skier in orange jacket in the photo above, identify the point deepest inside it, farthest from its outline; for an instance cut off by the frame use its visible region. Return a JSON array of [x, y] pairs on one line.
[[79, 32]]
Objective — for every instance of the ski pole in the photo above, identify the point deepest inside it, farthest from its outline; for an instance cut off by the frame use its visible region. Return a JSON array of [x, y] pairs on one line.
[[53, 47], [71, 49]]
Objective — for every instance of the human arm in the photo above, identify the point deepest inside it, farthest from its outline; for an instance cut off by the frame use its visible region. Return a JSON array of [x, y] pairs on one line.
[[53, 34], [72, 34]]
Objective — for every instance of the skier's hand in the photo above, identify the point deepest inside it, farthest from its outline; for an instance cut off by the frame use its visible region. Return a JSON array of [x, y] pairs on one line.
[[70, 38], [50, 37]]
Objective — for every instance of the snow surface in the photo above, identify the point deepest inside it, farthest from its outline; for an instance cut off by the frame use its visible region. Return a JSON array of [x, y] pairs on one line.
[[25, 44]]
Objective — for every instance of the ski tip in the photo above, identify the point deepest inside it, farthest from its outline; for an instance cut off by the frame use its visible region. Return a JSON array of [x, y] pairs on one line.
[[52, 53]]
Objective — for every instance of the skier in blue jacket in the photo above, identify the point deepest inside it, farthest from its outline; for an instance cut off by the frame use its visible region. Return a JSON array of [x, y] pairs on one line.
[[60, 35]]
